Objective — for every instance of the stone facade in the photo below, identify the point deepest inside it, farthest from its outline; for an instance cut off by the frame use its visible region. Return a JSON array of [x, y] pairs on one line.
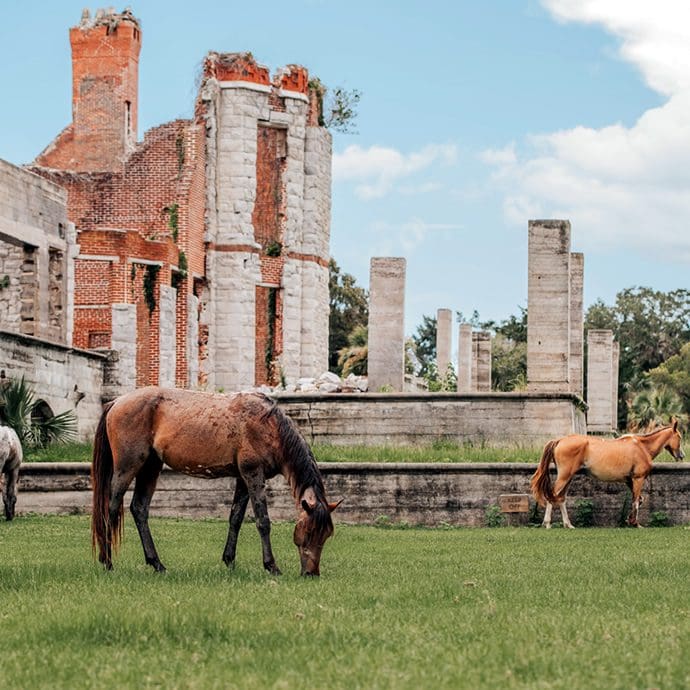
[[386, 361], [215, 228], [577, 323], [481, 361], [37, 250]]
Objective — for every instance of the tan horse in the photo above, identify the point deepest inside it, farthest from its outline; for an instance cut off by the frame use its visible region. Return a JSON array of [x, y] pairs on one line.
[[245, 436], [626, 459]]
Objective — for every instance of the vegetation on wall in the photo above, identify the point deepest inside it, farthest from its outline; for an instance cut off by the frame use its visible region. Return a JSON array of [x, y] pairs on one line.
[[150, 275], [272, 313], [21, 410]]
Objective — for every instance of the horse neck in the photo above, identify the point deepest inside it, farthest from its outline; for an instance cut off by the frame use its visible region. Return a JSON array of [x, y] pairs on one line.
[[655, 442]]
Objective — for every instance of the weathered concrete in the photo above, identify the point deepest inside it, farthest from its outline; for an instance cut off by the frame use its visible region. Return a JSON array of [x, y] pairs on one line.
[[66, 378], [481, 361], [615, 372], [386, 363], [600, 383], [416, 493], [548, 306], [577, 323], [444, 340], [418, 418], [465, 357]]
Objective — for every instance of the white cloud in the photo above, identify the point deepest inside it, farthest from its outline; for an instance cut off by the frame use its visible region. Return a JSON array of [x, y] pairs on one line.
[[408, 235], [620, 186], [378, 168]]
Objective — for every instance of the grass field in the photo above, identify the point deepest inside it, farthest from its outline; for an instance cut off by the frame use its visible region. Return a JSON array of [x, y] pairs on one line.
[[442, 451], [415, 608]]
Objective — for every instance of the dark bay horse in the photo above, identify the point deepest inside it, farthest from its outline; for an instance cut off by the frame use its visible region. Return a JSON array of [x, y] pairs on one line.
[[626, 459], [10, 459], [245, 436]]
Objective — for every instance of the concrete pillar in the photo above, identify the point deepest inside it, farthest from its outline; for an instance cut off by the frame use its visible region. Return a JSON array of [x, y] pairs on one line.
[[192, 344], [386, 323], [123, 373], [548, 306], [444, 338], [465, 358], [482, 363], [616, 354], [600, 380], [577, 323], [167, 342]]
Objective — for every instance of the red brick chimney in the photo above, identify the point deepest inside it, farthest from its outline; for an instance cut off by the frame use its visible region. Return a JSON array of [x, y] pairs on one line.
[[105, 75]]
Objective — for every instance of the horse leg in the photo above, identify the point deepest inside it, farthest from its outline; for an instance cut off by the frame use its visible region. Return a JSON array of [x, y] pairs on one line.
[[9, 492], [239, 507], [547, 516], [560, 490], [257, 493], [635, 484], [144, 487]]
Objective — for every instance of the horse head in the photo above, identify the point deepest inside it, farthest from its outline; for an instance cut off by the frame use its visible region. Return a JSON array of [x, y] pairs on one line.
[[673, 443], [313, 527]]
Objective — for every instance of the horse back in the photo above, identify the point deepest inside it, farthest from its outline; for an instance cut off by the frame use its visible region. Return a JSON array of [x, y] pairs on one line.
[[613, 460], [11, 454], [203, 434]]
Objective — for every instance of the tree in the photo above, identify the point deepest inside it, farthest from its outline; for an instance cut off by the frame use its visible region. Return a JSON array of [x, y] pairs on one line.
[[424, 341], [653, 407], [349, 308], [674, 375], [650, 326]]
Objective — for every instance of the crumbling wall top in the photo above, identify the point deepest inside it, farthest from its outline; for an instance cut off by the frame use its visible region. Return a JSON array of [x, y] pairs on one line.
[[107, 17]]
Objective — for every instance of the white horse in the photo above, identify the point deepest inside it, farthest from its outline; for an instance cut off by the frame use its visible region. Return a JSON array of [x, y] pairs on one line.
[[11, 457]]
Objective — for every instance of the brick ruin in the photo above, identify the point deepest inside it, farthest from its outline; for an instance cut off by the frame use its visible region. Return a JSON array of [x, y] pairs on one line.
[[203, 249]]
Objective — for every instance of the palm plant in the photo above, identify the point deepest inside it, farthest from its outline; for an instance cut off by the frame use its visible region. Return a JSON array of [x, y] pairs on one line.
[[20, 410], [654, 406], [353, 358]]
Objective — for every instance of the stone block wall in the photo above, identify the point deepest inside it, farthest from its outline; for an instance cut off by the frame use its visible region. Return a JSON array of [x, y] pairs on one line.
[[36, 254], [430, 494], [58, 374], [411, 418]]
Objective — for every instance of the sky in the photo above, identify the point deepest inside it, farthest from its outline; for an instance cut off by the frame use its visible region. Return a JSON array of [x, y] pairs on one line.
[[474, 118]]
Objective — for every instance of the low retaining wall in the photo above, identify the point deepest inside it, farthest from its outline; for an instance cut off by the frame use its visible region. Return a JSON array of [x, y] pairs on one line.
[[417, 493], [399, 419]]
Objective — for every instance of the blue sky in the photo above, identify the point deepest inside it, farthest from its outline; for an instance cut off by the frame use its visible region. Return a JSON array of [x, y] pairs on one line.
[[474, 118]]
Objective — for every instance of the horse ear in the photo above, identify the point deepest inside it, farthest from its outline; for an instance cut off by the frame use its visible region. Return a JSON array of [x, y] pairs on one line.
[[307, 508], [333, 506], [675, 423]]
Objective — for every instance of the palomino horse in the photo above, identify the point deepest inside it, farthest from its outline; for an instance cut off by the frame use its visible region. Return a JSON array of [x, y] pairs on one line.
[[10, 459], [626, 459], [206, 435]]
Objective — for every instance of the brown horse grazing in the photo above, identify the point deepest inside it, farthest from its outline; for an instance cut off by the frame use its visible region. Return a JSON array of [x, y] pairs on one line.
[[626, 459], [207, 435]]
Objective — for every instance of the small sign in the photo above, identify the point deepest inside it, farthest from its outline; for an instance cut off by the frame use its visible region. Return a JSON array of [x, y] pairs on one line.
[[514, 503]]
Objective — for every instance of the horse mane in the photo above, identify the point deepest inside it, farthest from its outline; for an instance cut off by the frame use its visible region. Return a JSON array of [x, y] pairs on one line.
[[651, 433], [304, 472]]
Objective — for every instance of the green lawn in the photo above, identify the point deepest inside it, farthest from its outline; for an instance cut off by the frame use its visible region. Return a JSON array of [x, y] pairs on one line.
[[441, 451], [415, 608]]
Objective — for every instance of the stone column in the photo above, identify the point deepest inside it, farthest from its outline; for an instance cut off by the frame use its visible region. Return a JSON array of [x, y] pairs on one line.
[[616, 354], [444, 337], [577, 322], [167, 342], [599, 381], [465, 358], [386, 323], [482, 339], [192, 344], [548, 306], [123, 373]]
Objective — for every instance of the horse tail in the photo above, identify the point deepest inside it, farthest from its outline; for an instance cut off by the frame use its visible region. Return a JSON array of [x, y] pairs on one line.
[[541, 486], [105, 535]]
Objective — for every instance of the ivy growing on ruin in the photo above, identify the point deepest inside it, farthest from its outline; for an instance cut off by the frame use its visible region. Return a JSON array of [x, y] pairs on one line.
[[150, 275], [173, 212], [270, 337]]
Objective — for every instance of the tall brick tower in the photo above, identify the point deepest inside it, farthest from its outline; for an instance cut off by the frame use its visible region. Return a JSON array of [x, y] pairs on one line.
[[105, 69]]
